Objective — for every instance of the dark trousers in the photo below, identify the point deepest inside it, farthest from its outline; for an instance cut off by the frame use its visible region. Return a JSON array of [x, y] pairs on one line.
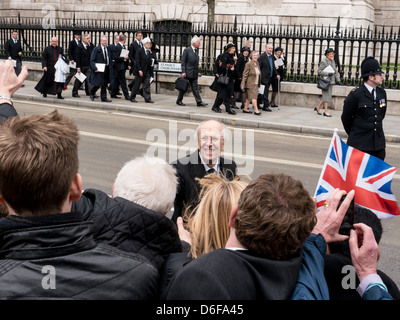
[[119, 80], [103, 90], [145, 82], [381, 154], [195, 90], [18, 67], [78, 84], [264, 100], [71, 73]]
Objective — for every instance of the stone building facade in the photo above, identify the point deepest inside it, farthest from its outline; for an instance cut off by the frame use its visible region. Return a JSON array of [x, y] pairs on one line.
[[353, 13]]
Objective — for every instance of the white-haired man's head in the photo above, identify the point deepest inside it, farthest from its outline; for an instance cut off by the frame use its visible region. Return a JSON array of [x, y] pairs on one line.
[[148, 181]]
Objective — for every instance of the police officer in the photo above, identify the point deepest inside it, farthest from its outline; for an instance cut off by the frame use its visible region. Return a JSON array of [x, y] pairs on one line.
[[364, 110]]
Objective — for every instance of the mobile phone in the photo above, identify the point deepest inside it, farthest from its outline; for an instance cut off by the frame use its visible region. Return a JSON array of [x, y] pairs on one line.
[[349, 218]]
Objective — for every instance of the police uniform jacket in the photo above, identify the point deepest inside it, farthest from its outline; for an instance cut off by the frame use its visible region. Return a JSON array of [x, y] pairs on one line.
[[362, 118]]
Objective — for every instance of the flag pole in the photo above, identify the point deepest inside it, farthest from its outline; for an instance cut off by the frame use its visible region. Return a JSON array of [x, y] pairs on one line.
[[335, 131]]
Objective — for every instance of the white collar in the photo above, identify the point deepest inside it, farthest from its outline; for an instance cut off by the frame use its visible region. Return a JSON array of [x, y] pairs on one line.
[[206, 167], [368, 87]]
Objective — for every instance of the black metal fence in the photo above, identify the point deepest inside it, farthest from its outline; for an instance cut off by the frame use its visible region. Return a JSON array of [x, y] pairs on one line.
[[303, 46]]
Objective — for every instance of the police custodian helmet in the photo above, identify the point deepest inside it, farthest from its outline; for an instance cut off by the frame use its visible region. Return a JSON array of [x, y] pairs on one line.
[[369, 67]]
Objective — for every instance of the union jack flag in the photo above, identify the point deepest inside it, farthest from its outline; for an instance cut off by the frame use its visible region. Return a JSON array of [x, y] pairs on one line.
[[349, 169]]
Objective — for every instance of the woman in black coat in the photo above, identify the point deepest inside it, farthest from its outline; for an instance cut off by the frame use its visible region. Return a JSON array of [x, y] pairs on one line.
[[226, 66], [240, 63]]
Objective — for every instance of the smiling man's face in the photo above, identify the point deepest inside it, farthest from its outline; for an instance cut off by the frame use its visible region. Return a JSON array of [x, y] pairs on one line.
[[210, 141]]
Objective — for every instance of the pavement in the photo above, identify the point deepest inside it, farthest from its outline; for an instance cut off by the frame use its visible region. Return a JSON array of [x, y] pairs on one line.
[[285, 118]]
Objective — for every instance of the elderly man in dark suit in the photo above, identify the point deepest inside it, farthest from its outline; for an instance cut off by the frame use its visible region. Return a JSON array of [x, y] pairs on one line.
[[268, 72], [14, 51], [211, 140], [190, 71], [143, 71], [100, 55], [83, 52]]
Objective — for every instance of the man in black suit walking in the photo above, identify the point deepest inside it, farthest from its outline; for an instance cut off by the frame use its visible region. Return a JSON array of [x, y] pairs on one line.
[[143, 71], [133, 48], [120, 65], [14, 51], [211, 141], [83, 52], [190, 71], [268, 72], [99, 78], [73, 45]]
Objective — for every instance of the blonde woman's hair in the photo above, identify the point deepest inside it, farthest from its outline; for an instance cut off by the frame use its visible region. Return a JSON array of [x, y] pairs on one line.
[[208, 222]]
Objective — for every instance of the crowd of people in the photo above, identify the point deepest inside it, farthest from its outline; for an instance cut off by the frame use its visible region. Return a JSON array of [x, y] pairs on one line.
[[229, 238]]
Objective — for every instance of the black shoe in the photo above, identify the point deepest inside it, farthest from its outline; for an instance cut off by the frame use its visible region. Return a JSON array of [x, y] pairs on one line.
[[246, 111], [315, 109], [92, 97], [257, 113], [267, 109], [180, 103], [242, 106], [216, 109], [149, 101], [235, 107], [133, 100], [274, 106], [127, 98], [106, 100], [75, 95], [327, 115], [202, 104], [60, 97], [119, 93], [44, 95], [230, 111], [115, 97]]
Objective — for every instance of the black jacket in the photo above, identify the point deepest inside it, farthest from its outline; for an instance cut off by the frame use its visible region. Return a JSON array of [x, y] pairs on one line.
[[334, 276], [362, 119], [119, 63], [143, 62], [129, 226], [56, 257], [187, 170], [82, 55], [133, 48], [225, 274], [72, 49], [265, 68], [13, 49], [7, 111]]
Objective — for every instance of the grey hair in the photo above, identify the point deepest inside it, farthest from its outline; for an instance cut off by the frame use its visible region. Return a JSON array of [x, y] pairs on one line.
[[223, 131], [148, 181], [194, 39]]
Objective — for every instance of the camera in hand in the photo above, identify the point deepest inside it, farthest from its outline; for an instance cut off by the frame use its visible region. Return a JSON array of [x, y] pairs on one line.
[[243, 90]]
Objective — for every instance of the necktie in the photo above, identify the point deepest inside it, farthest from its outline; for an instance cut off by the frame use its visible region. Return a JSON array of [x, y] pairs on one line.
[[210, 171], [373, 94], [105, 55]]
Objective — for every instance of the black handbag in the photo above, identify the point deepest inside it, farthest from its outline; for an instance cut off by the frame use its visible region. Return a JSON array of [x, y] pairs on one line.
[[181, 84], [323, 84], [223, 79]]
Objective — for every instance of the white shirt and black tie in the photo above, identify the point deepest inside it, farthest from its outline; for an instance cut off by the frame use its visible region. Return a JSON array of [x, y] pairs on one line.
[[105, 54]]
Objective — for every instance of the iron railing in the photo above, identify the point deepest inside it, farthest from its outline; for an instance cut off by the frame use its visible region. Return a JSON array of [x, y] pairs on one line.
[[303, 46]]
